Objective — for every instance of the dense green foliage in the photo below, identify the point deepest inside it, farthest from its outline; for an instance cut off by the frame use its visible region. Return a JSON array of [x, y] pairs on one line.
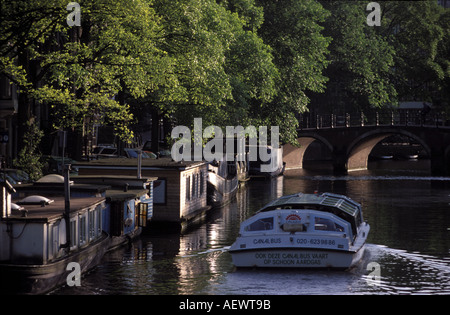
[[230, 62]]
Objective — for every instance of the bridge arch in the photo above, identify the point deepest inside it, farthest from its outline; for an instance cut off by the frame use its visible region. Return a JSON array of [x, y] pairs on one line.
[[293, 156], [359, 149]]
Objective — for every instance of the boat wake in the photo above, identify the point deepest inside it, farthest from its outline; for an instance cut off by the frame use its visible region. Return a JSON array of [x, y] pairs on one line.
[[208, 251], [403, 272]]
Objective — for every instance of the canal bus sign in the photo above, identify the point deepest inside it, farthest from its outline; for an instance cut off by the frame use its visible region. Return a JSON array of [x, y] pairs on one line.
[[293, 218]]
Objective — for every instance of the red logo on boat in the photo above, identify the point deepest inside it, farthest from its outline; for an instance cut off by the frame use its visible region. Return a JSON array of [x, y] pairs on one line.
[[293, 217]]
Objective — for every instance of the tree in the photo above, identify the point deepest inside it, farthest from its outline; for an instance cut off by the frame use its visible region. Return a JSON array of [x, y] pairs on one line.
[[443, 86], [113, 52], [414, 31], [24, 26], [29, 158], [222, 64], [360, 62], [81, 72], [292, 28]]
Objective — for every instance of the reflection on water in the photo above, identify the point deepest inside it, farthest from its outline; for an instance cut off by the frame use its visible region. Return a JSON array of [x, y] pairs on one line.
[[409, 239]]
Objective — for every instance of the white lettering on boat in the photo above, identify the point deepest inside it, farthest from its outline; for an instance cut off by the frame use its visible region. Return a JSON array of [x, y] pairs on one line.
[[267, 241], [312, 259]]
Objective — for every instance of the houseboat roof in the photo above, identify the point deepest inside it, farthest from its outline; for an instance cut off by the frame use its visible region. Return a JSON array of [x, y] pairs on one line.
[[53, 184], [114, 180], [156, 164], [57, 189], [54, 209], [325, 201]]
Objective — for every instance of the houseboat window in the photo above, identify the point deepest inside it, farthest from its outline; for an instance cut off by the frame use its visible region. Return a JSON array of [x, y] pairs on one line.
[[201, 183], [53, 241], [82, 230], [263, 224], [92, 221], [73, 233], [194, 186], [142, 215], [188, 188], [198, 179], [99, 222], [197, 184], [322, 224]]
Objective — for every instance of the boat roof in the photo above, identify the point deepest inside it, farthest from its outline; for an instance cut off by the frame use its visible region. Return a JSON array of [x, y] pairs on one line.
[[163, 163], [53, 210], [326, 200]]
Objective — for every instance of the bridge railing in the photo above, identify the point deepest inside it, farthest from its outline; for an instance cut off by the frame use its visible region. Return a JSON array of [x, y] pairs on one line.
[[392, 118]]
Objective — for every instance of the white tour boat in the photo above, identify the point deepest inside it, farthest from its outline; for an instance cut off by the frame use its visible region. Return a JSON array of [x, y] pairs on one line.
[[303, 230]]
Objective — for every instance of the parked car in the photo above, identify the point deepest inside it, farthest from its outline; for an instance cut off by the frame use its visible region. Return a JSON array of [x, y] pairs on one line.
[[133, 153], [102, 152], [147, 147]]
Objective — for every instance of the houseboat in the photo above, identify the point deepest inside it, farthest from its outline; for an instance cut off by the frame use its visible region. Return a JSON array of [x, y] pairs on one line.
[[273, 167], [179, 193], [125, 209], [304, 231], [222, 182], [40, 236]]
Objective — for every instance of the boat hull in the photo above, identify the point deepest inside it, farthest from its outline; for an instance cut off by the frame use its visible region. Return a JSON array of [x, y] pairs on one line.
[[221, 191], [40, 279], [296, 258]]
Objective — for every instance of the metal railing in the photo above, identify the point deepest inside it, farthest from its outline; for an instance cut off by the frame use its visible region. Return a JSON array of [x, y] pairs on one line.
[[361, 119]]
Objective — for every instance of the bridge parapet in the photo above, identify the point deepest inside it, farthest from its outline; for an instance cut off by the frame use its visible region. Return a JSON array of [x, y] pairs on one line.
[[392, 118]]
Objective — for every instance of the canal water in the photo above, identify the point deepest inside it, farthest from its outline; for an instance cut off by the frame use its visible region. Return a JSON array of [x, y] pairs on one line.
[[408, 250]]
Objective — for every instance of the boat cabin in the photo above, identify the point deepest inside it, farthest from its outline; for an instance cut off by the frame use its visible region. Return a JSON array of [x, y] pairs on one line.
[[297, 221], [329, 212], [34, 231], [179, 193], [129, 202]]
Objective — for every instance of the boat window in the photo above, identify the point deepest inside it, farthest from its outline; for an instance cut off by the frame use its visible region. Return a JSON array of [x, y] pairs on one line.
[[73, 234], [188, 187], [83, 230], [201, 183], [322, 224], [263, 224]]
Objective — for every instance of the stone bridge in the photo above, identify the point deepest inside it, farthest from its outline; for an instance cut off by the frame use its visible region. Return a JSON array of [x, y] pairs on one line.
[[351, 144]]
